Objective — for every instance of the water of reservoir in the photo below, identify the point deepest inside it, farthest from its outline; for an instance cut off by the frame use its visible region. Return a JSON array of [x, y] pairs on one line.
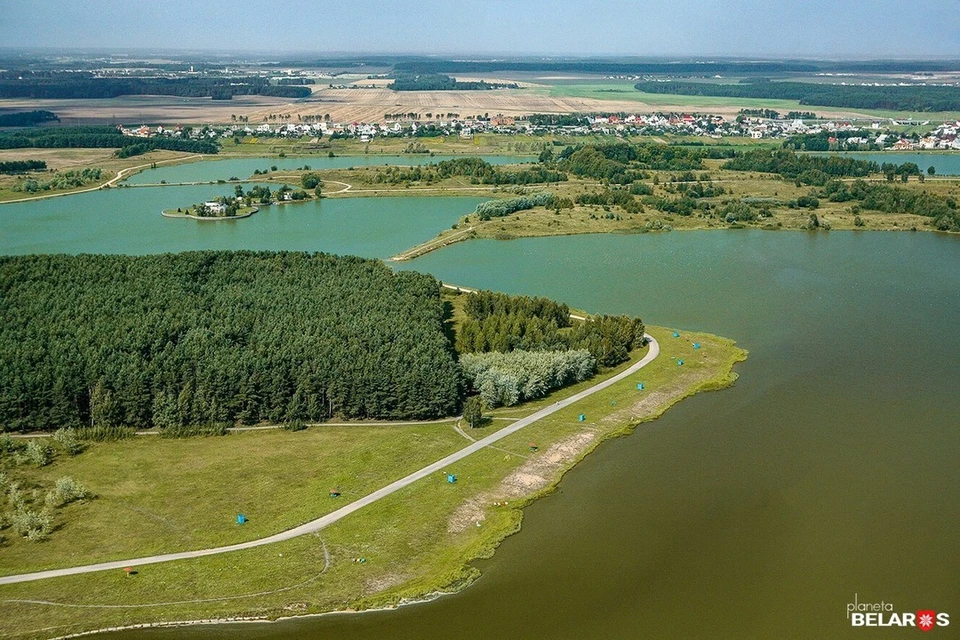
[[945, 164], [129, 221], [243, 168], [830, 469]]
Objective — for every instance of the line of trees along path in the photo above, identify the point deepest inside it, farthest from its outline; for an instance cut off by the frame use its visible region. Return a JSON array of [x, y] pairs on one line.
[[325, 521]]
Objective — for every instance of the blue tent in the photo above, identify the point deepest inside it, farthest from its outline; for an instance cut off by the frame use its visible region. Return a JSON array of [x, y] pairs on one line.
[[640, 386], [241, 519]]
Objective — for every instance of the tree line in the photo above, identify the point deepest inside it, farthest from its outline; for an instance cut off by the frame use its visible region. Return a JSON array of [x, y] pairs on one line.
[[14, 167], [897, 98], [504, 207], [440, 82], [212, 337], [892, 199], [27, 118], [100, 137], [60, 180], [624, 163], [809, 169], [478, 170], [79, 85], [499, 322], [821, 141]]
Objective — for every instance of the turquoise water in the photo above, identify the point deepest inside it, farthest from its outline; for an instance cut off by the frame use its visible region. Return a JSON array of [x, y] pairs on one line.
[[243, 168], [129, 221]]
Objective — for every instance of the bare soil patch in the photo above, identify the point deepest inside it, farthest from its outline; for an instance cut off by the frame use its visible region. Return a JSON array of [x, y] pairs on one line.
[[535, 474]]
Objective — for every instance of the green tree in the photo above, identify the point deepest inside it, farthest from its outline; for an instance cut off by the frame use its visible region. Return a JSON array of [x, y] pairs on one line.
[[473, 411]]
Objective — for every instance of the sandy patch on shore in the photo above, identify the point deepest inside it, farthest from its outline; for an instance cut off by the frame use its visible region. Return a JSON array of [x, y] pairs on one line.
[[533, 475]]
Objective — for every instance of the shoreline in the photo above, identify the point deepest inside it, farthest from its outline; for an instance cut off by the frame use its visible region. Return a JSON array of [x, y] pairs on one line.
[[168, 214], [720, 376], [458, 235]]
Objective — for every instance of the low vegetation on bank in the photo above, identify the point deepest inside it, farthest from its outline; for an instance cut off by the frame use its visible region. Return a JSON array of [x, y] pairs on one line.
[[414, 543]]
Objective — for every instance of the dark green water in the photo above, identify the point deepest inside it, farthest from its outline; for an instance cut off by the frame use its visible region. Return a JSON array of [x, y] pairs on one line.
[[830, 469], [129, 221], [243, 168]]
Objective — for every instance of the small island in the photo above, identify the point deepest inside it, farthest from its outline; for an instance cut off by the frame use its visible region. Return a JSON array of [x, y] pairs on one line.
[[213, 210], [244, 205]]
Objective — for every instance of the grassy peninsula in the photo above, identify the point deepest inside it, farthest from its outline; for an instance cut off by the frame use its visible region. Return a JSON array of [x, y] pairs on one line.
[[149, 494]]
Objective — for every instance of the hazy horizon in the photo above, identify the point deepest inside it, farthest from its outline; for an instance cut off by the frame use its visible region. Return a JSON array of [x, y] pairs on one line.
[[652, 29]]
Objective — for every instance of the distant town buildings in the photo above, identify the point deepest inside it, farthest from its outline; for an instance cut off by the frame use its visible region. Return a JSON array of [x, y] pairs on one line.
[[840, 134]]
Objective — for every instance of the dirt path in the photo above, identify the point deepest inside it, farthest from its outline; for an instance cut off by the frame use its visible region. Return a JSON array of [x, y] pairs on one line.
[[316, 525]]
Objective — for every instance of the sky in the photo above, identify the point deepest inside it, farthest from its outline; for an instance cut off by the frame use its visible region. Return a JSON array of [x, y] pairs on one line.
[[770, 28]]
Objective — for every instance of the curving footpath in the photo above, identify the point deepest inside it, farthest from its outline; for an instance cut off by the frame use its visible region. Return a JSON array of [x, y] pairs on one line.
[[318, 524], [121, 174]]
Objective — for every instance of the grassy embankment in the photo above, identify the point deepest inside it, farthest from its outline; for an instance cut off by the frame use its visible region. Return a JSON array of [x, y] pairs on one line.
[[159, 494]]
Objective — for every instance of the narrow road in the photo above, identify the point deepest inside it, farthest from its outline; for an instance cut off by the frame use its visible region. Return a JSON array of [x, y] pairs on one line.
[[426, 247], [330, 518]]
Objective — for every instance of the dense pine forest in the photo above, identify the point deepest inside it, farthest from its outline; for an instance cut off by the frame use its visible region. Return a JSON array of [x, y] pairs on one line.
[[499, 322], [214, 337]]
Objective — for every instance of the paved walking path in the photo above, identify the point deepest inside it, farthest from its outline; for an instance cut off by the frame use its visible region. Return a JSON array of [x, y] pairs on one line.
[[324, 521]]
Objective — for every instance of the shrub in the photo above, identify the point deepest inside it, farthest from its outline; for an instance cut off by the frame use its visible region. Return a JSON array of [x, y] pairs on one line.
[[503, 379], [67, 439], [35, 526], [38, 453], [190, 431], [103, 433], [295, 425], [65, 491]]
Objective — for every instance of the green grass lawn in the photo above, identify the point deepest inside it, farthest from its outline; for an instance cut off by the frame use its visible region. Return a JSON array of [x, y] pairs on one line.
[[408, 539]]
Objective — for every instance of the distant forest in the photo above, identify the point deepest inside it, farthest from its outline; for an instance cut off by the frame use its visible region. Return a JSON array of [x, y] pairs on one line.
[[213, 337], [14, 167], [60, 85], [439, 82], [27, 118], [99, 137], [897, 98], [621, 66]]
